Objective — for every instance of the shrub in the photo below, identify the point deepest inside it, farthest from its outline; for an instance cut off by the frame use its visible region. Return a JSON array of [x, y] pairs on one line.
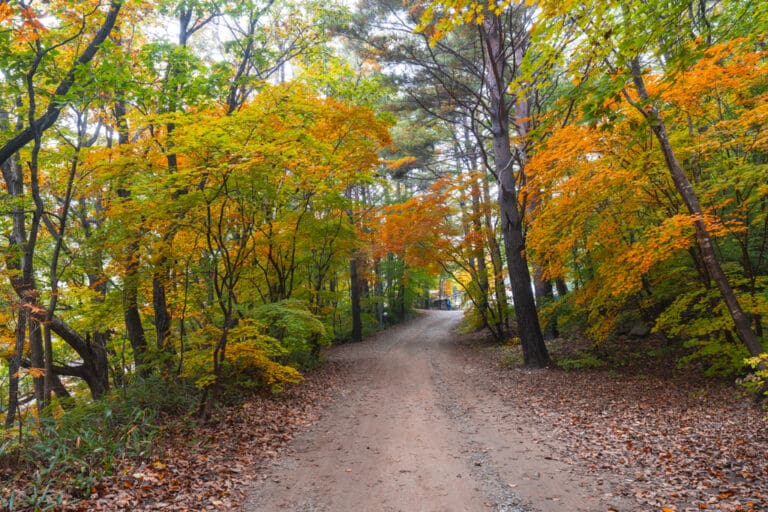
[[80, 445], [757, 381], [581, 361], [299, 332]]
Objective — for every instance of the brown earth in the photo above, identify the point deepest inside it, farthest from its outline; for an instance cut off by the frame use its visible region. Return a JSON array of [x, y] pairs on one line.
[[416, 427]]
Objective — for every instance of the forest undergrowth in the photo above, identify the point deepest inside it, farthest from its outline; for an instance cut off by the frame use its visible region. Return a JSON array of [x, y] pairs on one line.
[[190, 466]]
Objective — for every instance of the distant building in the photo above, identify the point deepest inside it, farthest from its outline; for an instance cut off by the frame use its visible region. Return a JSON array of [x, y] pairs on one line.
[[444, 304]]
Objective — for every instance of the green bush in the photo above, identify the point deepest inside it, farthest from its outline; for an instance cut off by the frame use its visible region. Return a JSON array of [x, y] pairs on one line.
[[719, 357], [300, 333], [581, 361], [757, 381]]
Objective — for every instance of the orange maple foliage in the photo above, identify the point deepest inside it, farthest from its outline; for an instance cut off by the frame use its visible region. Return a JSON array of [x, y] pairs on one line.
[[607, 215], [6, 11], [413, 230]]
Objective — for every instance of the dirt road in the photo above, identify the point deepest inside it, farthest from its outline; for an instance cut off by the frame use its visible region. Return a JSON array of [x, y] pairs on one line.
[[416, 430]]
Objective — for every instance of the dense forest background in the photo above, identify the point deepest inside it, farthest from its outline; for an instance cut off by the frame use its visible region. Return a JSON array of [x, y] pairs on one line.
[[197, 196]]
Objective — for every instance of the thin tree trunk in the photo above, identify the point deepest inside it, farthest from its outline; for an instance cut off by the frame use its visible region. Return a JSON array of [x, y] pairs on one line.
[[161, 271], [561, 287], [684, 187], [481, 265], [31, 297], [211, 393], [542, 288], [131, 316], [54, 264], [497, 261], [37, 361], [357, 323], [14, 365], [378, 290], [160, 303]]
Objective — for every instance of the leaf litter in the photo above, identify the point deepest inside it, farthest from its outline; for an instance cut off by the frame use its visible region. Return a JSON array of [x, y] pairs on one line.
[[678, 442], [208, 467]]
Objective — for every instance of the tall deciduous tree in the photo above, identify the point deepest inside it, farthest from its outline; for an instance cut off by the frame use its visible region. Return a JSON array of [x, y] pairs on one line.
[[627, 43], [33, 56]]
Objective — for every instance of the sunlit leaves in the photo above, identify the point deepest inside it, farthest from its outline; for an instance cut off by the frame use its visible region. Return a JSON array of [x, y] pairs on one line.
[[256, 195], [610, 219], [439, 18], [6, 11]]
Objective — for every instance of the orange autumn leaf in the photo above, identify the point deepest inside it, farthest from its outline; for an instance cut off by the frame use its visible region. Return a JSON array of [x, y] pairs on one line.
[[6, 11], [35, 373]]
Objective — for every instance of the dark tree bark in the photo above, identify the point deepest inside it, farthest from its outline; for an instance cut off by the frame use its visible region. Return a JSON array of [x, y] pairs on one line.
[[355, 289], [131, 316], [534, 350], [542, 288], [561, 287], [162, 312], [741, 322]]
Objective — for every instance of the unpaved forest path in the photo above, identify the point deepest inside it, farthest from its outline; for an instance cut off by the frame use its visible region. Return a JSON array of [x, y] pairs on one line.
[[412, 431]]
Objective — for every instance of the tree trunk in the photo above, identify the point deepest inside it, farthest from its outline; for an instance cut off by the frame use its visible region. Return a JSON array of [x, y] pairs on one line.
[[211, 394], [357, 323], [561, 287], [95, 372], [378, 290], [481, 265], [160, 303], [496, 260], [37, 360], [542, 288], [684, 187], [535, 353], [132, 319], [131, 316], [14, 365]]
